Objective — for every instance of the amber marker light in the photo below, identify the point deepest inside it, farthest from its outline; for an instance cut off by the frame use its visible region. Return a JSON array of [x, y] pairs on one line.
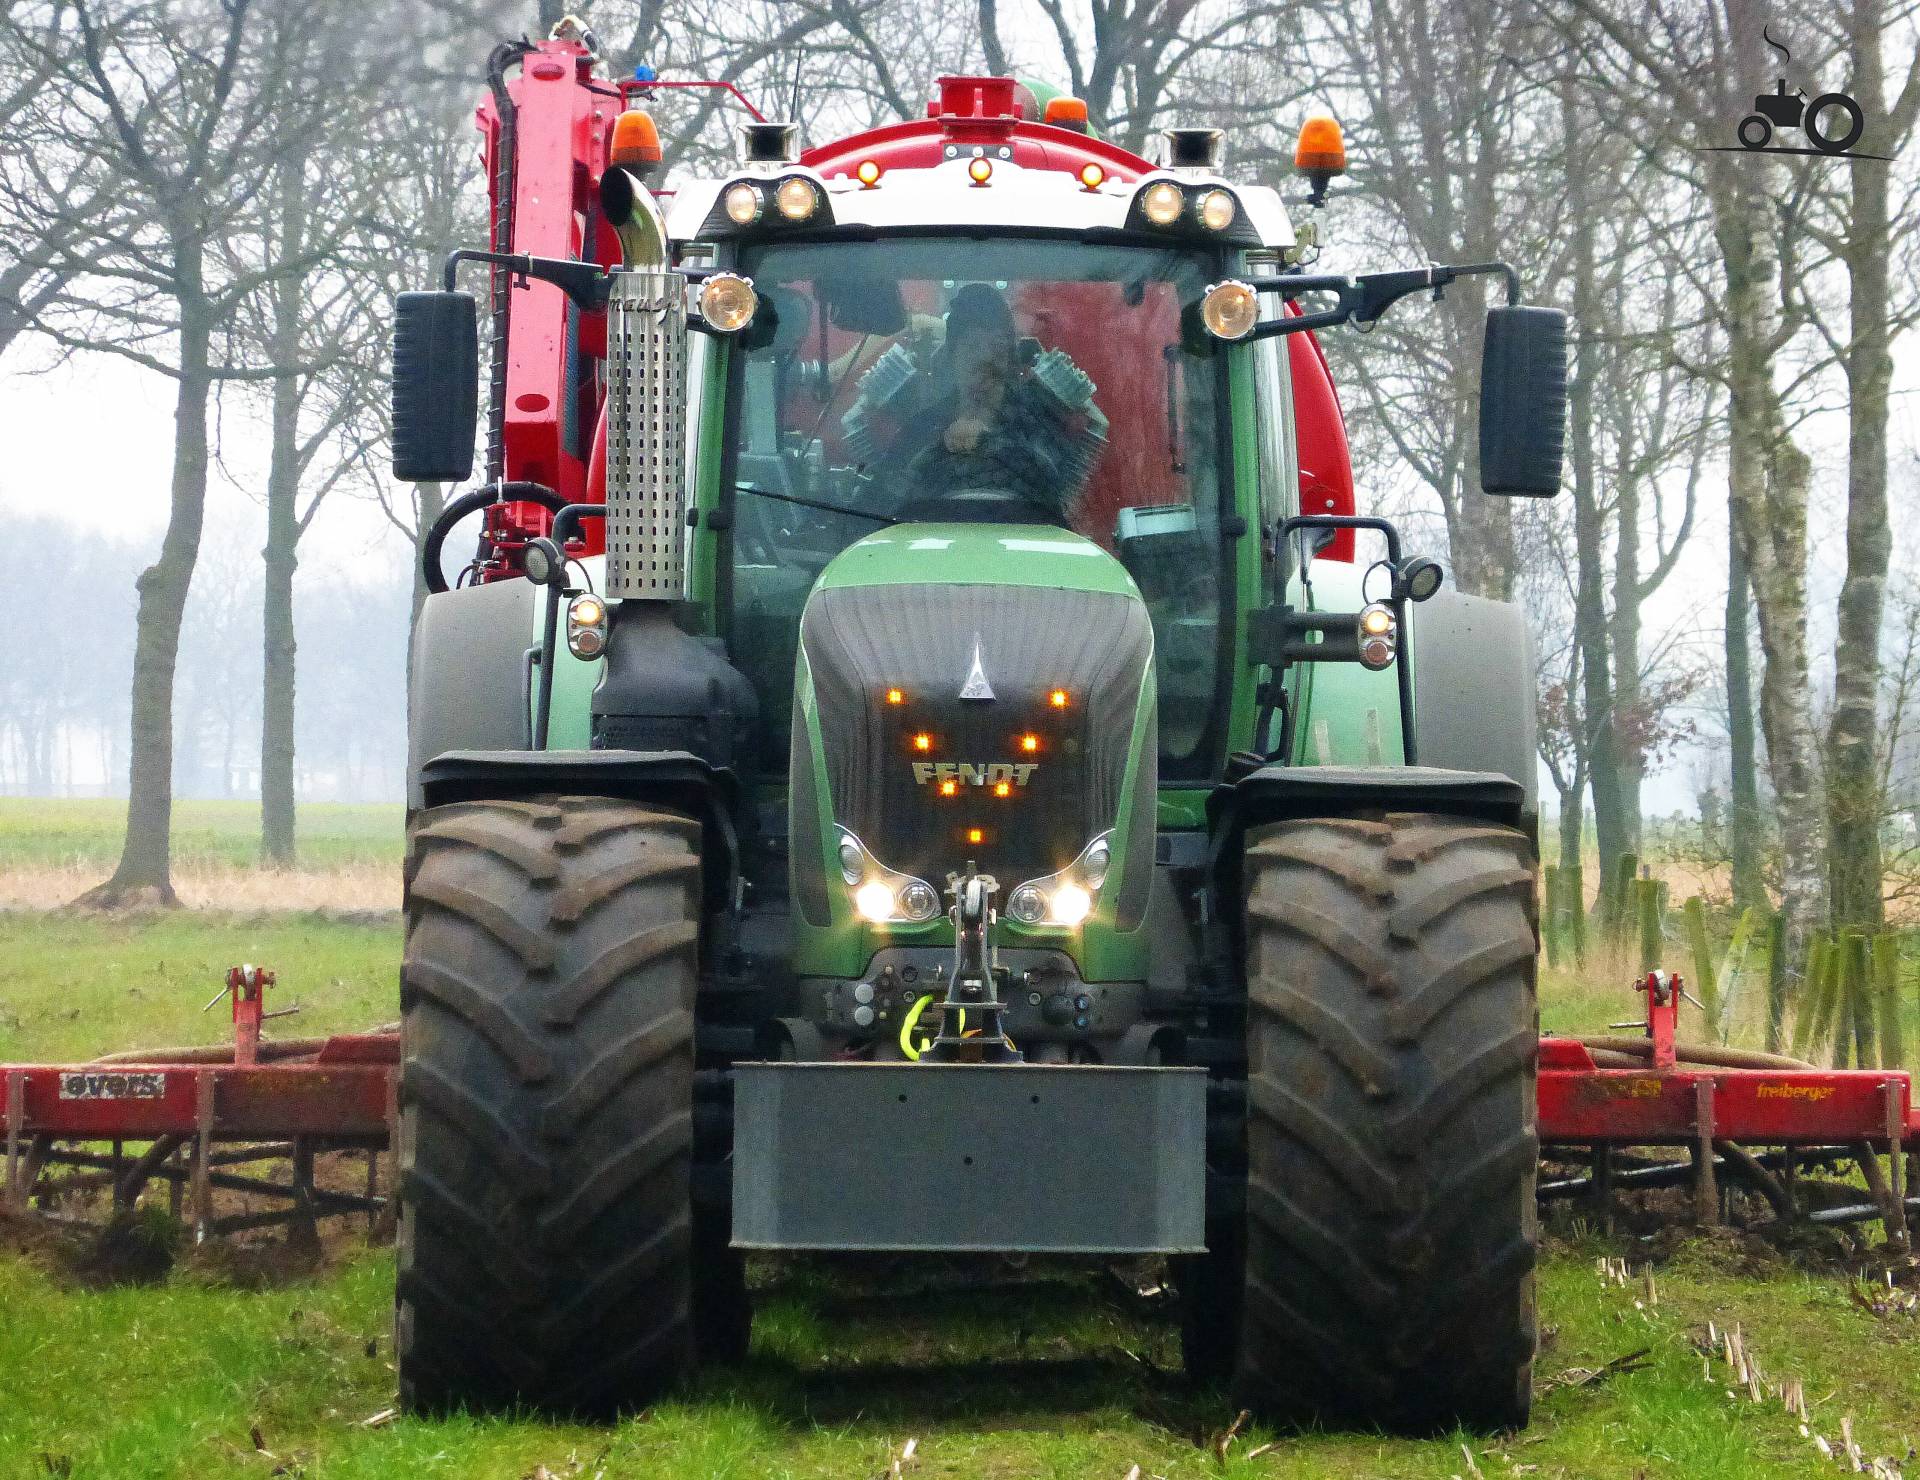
[[923, 742], [894, 696], [1003, 788], [869, 173], [1092, 176], [1029, 743], [949, 788], [1058, 698], [980, 169], [976, 835]]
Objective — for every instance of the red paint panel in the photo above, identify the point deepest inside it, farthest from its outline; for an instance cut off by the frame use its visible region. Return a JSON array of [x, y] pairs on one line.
[[1632, 1106]]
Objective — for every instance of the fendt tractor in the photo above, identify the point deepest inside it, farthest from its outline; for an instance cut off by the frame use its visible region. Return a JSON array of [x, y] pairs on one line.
[[926, 757]]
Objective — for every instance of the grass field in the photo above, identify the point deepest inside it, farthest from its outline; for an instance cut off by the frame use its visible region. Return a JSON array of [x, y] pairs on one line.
[[993, 1371]]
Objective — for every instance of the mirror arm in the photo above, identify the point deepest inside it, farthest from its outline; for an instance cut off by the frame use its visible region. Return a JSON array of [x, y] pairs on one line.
[[1363, 299], [586, 283]]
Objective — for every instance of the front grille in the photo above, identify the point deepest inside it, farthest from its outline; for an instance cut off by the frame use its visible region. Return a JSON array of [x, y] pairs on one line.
[[921, 640]]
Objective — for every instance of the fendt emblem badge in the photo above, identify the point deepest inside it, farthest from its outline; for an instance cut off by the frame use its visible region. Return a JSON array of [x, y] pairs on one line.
[[987, 773], [976, 686]]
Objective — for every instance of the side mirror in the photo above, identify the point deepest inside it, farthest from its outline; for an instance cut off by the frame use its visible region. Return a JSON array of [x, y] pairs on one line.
[[1523, 401], [436, 386]]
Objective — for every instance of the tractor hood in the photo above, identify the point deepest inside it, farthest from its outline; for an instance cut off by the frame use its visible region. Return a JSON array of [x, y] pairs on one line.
[[975, 693]]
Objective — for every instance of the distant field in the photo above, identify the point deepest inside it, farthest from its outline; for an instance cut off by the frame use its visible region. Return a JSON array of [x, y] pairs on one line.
[[88, 831], [348, 855]]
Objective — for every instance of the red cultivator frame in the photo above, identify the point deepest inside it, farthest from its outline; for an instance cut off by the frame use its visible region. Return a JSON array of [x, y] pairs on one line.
[[201, 1110], [1608, 1094]]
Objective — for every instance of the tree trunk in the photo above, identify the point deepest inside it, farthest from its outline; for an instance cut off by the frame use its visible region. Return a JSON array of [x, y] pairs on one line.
[[1743, 802], [143, 874], [281, 554], [1768, 481], [1612, 834], [1853, 772]]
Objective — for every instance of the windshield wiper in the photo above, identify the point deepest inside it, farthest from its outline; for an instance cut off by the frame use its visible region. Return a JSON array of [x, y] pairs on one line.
[[814, 503]]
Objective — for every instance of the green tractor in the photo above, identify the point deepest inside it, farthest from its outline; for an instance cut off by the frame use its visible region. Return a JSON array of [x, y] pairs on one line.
[[932, 772]]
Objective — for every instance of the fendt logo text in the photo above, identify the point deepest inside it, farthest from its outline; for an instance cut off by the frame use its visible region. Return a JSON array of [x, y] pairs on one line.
[[988, 773]]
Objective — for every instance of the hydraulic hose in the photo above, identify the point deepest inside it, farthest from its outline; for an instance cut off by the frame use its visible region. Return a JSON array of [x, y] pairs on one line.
[[468, 503]]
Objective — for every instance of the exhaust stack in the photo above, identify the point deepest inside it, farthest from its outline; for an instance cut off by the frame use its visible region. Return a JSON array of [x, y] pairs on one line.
[[646, 402]]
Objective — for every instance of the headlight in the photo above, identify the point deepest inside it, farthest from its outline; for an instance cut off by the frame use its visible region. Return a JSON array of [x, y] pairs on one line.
[[1230, 310], [1163, 203], [1217, 210], [743, 204], [727, 302], [1069, 906], [796, 198], [874, 900], [1064, 899], [883, 896]]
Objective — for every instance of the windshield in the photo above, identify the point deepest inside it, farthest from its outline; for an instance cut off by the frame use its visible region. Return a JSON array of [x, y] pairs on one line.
[[945, 378]]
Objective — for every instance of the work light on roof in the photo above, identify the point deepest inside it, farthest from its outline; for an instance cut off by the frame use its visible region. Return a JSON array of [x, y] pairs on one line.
[[743, 204], [796, 198], [1163, 202]]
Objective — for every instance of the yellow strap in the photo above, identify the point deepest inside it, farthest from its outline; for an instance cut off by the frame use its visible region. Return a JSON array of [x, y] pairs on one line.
[[912, 1020]]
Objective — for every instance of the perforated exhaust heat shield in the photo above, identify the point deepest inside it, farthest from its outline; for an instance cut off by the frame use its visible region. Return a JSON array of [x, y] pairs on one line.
[[646, 435]]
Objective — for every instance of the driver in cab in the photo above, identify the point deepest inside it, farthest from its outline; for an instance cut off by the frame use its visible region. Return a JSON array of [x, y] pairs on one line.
[[983, 411]]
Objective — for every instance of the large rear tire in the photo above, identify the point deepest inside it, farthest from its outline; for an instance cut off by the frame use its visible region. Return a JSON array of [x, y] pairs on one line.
[[1392, 1039], [548, 1250]]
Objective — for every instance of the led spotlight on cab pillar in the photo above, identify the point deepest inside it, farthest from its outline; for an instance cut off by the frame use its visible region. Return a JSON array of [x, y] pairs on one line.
[[728, 302], [1230, 310]]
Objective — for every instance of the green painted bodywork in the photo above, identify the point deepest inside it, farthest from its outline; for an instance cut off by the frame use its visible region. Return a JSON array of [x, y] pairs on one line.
[[570, 721], [1346, 715], [978, 555], [974, 555]]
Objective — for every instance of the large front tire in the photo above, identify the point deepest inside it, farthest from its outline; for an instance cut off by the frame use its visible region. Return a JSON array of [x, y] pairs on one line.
[[1392, 1039], [546, 1231]]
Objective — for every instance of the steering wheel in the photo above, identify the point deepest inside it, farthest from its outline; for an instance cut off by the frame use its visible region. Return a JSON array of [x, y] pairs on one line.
[[982, 505]]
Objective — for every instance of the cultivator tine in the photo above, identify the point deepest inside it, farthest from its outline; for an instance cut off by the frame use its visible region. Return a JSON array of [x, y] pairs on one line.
[[1706, 1191], [202, 1154], [16, 1120], [1896, 1164]]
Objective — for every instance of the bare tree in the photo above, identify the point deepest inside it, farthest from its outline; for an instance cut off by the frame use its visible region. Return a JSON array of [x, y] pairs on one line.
[[1704, 67], [186, 108]]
